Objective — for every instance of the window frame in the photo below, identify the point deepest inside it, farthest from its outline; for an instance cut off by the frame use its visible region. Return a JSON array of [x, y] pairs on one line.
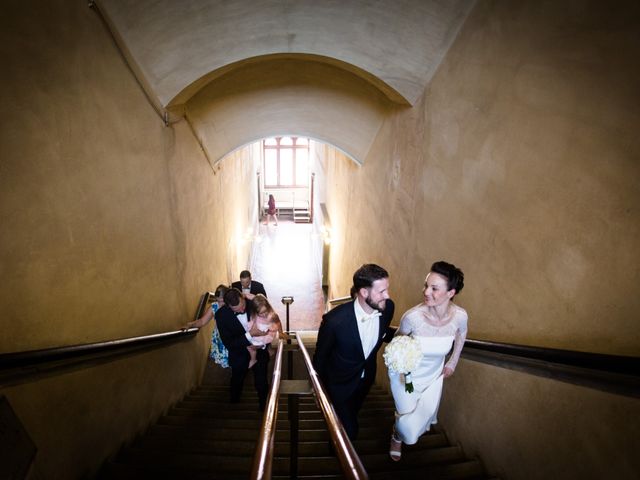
[[278, 147]]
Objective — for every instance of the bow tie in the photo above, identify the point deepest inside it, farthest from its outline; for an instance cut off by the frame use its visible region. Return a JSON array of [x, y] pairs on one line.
[[371, 316]]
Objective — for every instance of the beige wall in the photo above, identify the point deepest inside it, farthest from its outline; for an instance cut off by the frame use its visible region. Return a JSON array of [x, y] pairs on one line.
[[520, 165], [104, 230], [77, 419], [111, 227], [236, 209], [526, 427]]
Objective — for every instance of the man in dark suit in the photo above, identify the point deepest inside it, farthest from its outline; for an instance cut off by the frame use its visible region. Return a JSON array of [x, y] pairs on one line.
[[348, 342], [247, 286], [237, 332]]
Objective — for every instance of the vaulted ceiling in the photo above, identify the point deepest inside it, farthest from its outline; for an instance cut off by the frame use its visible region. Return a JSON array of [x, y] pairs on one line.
[[179, 49]]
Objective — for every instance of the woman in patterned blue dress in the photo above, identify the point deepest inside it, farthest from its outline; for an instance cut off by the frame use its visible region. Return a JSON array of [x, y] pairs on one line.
[[218, 352]]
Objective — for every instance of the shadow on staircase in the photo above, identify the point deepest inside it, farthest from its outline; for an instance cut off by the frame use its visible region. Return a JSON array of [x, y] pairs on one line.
[[206, 437]]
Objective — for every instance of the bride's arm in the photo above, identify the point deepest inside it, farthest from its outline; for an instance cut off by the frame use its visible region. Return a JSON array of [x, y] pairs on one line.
[[405, 327], [458, 343]]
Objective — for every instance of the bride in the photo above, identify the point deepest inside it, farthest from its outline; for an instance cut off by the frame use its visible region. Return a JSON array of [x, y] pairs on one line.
[[438, 324]]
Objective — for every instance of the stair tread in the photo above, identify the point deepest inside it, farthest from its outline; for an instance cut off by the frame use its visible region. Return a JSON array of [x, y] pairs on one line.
[[137, 472], [205, 436], [223, 444]]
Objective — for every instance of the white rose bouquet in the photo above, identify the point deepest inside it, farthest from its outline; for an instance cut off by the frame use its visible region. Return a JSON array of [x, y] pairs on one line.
[[402, 355]]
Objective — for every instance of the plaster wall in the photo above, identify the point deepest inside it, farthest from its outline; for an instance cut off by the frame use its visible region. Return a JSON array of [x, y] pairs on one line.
[[520, 165], [526, 427], [111, 228]]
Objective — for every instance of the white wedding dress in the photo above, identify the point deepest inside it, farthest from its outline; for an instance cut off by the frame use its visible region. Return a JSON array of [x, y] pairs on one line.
[[417, 411]]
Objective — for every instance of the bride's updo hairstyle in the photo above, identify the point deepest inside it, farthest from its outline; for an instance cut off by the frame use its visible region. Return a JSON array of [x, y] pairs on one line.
[[454, 276]]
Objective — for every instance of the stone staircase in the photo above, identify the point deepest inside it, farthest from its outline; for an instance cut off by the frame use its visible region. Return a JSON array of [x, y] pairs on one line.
[[301, 212], [205, 437]]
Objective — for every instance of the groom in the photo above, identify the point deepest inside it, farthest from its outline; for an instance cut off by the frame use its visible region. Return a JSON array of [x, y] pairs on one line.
[[237, 332], [348, 342]]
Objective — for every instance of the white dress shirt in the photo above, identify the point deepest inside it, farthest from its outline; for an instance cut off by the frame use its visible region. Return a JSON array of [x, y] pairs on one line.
[[368, 328], [242, 318]]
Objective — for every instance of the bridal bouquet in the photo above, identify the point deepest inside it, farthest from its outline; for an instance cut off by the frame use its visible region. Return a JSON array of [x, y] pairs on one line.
[[402, 355]]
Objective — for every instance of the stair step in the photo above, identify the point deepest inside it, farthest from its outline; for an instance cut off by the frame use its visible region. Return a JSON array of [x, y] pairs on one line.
[[415, 457], [468, 470], [325, 463], [222, 443], [198, 433], [231, 423], [249, 412], [188, 461], [223, 392], [118, 471], [204, 436]]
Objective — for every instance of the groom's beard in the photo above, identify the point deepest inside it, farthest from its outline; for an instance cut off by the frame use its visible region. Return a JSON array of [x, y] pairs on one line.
[[376, 306]]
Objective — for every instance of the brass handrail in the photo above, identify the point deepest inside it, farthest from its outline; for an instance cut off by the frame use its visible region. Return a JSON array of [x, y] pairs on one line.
[[609, 373], [33, 358], [349, 460], [18, 367], [263, 458]]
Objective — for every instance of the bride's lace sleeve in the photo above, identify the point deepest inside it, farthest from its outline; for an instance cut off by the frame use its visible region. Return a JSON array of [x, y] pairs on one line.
[[407, 323], [458, 342]]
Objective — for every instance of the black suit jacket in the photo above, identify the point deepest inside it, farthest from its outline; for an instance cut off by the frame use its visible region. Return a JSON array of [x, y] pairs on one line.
[[339, 359], [256, 287], [232, 334]]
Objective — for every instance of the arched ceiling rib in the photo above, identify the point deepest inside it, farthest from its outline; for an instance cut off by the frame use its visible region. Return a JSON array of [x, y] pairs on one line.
[[288, 96], [176, 44], [196, 86]]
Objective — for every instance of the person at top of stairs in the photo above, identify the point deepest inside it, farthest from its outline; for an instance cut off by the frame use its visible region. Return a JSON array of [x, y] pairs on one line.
[[271, 211], [248, 286]]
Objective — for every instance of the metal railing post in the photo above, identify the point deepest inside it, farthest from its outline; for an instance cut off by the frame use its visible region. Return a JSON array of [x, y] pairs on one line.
[[288, 301]]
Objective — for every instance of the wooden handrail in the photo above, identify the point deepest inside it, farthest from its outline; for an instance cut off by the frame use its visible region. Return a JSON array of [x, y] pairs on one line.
[[610, 373], [263, 458], [350, 463], [596, 361], [18, 367], [37, 357]]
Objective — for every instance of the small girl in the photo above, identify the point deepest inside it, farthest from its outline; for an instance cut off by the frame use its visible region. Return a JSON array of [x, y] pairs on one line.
[[266, 320]]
